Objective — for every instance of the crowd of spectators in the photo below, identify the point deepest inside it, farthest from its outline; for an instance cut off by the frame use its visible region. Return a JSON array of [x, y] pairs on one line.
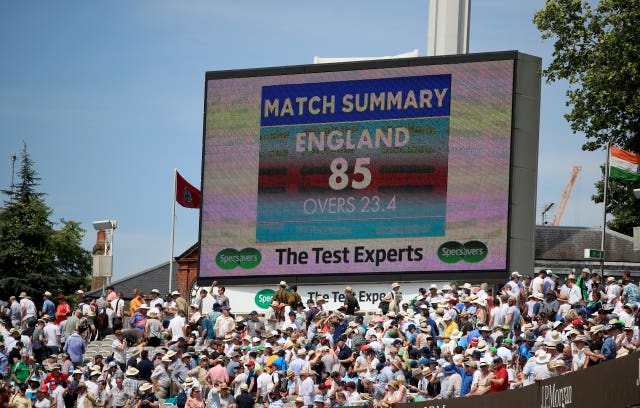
[[445, 342]]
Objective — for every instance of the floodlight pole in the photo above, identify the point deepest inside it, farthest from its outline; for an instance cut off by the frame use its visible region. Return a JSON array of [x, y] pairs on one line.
[[604, 210], [173, 225]]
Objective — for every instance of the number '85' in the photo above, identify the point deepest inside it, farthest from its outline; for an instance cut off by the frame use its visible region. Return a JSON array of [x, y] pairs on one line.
[[339, 178]]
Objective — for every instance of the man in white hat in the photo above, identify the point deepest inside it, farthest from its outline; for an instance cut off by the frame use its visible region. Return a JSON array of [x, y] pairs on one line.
[[176, 325], [225, 324], [161, 379], [156, 299], [28, 309], [394, 297], [612, 289], [131, 383], [516, 288], [271, 316], [48, 307], [52, 335], [194, 316], [541, 370], [139, 318], [432, 295], [181, 303]]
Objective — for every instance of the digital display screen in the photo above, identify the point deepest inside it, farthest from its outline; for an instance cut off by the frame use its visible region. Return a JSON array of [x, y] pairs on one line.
[[357, 171]]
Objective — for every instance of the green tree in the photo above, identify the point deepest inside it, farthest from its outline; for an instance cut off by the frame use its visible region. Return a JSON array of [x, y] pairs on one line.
[[596, 50], [34, 256]]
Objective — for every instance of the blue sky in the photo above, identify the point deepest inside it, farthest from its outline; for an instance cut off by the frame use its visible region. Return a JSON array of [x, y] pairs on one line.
[[109, 96]]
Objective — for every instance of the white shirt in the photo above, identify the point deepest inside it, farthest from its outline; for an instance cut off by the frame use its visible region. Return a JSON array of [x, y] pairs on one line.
[[120, 356], [499, 316], [613, 291], [175, 325], [264, 383], [269, 314], [51, 331], [116, 305], [536, 285], [541, 371], [575, 295], [514, 288], [29, 306], [307, 391], [223, 325], [154, 302]]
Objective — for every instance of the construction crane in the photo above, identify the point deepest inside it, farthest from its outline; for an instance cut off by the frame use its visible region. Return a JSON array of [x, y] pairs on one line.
[[566, 194]]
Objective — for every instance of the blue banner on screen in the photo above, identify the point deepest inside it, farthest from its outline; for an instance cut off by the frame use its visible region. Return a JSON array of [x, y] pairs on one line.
[[347, 101]]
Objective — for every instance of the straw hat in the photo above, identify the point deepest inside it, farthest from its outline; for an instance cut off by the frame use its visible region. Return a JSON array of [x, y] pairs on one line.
[[146, 386], [583, 338], [543, 358], [131, 371], [555, 337]]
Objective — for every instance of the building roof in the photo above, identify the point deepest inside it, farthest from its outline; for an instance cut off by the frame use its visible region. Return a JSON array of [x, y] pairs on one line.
[[569, 243], [562, 249], [156, 277]]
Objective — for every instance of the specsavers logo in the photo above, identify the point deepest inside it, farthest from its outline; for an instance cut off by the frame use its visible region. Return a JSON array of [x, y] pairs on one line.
[[471, 252], [229, 258], [263, 298]]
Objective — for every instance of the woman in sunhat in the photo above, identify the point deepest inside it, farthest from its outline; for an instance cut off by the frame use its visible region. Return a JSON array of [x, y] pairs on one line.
[[195, 399], [153, 329]]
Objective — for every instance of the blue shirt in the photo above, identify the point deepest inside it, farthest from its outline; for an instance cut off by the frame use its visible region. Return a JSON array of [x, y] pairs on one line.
[[75, 347], [609, 348], [465, 388], [280, 363], [525, 351], [49, 308], [475, 333], [206, 324], [339, 329], [434, 327]]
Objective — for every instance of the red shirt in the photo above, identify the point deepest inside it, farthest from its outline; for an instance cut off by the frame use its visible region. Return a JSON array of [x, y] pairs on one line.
[[52, 378], [61, 312], [500, 373]]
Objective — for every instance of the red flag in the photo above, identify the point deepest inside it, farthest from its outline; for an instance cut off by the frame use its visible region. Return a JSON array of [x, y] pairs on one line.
[[186, 194]]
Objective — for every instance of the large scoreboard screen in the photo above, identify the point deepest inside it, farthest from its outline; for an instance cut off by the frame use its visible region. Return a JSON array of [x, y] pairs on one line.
[[357, 168]]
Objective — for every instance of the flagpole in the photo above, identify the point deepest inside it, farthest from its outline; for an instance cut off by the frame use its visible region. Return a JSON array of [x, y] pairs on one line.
[[604, 209], [173, 226]]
